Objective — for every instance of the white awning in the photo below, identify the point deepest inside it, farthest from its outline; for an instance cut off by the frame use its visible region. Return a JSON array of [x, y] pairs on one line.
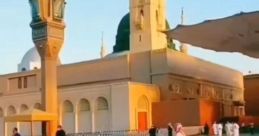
[[237, 33]]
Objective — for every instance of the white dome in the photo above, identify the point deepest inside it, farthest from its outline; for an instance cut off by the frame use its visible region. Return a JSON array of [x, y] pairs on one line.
[[31, 60]]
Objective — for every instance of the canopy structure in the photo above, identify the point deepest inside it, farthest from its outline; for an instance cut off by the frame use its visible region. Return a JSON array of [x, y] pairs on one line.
[[237, 33], [33, 115]]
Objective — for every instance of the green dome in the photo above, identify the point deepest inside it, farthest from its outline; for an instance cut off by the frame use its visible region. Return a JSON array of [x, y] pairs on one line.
[[123, 34]]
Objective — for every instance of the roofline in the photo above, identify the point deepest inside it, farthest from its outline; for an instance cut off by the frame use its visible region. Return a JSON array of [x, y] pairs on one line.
[[251, 76]]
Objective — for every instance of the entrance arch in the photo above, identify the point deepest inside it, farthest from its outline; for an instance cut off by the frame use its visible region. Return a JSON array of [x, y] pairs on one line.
[[142, 113]]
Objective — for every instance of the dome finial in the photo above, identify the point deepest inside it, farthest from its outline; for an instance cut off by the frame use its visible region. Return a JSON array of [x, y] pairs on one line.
[[103, 51]]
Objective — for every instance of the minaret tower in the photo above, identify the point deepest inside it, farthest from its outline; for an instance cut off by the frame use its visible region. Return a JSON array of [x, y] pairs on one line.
[[183, 46], [147, 23], [48, 36], [103, 51]]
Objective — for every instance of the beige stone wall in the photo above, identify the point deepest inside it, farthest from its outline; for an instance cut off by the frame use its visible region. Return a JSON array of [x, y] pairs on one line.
[[185, 112], [100, 70], [184, 65], [22, 82], [251, 83], [140, 67]]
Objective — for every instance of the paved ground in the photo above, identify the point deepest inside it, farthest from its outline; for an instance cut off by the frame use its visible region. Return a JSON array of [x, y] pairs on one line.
[[242, 135]]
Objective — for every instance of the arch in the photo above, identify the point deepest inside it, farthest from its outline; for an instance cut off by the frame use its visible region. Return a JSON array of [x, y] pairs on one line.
[[37, 106], [101, 114], [143, 113], [84, 116], [102, 103], [68, 106], [68, 116], [10, 125], [143, 103], [11, 110], [23, 69], [24, 126], [84, 105], [24, 107], [37, 128]]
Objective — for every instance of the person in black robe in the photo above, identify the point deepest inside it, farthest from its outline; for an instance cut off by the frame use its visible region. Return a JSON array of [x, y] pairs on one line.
[[60, 131], [152, 131]]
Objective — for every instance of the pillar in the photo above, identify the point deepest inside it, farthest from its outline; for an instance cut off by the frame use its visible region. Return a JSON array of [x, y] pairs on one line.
[[48, 37]]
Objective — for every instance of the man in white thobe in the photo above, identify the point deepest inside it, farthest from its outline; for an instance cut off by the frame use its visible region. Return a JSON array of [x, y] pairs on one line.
[[235, 129], [214, 129], [219, 129], [228, 129], [179, 130]]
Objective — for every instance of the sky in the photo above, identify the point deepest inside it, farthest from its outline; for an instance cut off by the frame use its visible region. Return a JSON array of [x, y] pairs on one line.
[[86, 20]]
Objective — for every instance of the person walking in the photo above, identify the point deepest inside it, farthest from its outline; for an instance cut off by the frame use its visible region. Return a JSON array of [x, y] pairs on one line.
[[235, 129], [206, 129], [179, 130], [251, 128], [170, 129], [60, 131], [214, 129], [228, 129], [15, 132], [152, 131], [219, 129]]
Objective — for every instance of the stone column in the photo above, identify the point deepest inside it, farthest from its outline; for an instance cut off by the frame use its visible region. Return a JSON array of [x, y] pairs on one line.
[[48, 37], [76, 119], [93, 119]]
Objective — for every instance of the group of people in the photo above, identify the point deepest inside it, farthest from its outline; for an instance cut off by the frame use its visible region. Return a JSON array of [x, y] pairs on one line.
[[60, 132], [232, 129], [171, 130]]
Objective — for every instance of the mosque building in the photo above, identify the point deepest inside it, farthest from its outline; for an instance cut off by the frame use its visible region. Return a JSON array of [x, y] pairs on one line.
[[142, 82]]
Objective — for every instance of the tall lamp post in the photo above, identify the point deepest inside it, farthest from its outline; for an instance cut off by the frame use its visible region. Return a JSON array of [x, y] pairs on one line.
[[48, 36]]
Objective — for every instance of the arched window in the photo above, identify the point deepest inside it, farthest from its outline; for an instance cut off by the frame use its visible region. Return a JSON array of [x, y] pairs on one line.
[[23, 69], [102, 104], [37, 106], [11, 110], [68, 106], [84, 105], [142, 12], [24, 108]]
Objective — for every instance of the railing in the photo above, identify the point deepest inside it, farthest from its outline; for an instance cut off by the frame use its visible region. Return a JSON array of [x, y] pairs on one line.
[[112, 133]]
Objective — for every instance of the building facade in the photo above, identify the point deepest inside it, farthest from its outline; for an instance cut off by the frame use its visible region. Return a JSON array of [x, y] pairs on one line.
[[141, 83]]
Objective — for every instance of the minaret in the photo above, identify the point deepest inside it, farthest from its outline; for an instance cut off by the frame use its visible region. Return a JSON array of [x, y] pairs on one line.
[[183, 46], [48, 36], [103, 51], [147, 21]]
